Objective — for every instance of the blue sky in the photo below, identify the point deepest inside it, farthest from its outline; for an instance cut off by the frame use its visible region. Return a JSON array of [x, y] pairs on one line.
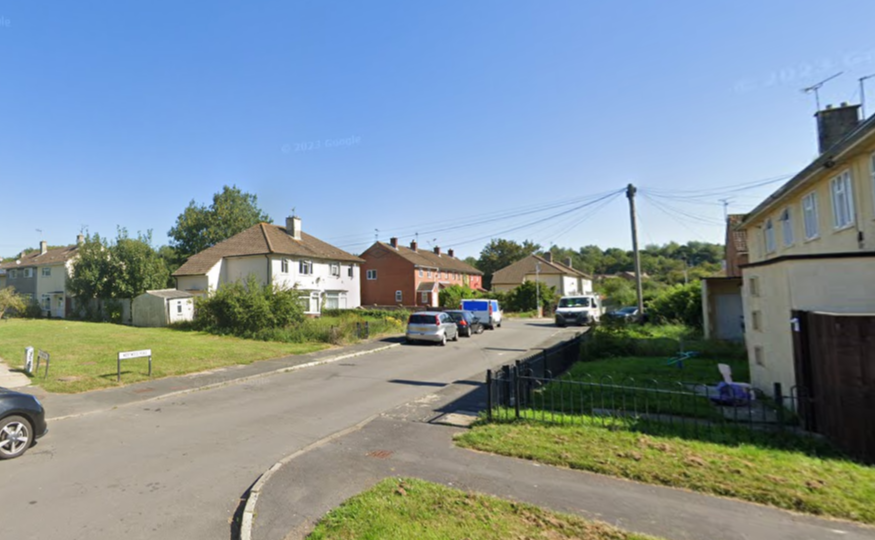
[[413, 116]]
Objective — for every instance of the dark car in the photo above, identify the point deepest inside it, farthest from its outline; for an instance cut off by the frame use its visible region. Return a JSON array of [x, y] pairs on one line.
[[22, 421], [625, 314], [467, 323]]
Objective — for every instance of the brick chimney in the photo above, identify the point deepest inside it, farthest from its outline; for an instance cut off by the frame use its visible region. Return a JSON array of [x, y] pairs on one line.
[[437, 251], [43, 247], [293, 227], [413, 245], [548, 256], [393, 242], [569, 262], [833, 123], [451, 253], [80, 239]]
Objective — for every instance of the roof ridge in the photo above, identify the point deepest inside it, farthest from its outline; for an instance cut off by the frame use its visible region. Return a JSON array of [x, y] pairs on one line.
[[266, 238]]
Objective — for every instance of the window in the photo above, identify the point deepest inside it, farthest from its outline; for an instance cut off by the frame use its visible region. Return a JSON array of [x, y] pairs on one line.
[[335, 300], [759, 356], [284, 266], [769, 232], [13, 274], [305, 267], [754, 285], [425, 297], [809, 215], [335, 270], [445, 275], [787, 227], [47, 271], [351, 271], [28, 272], [421, 272], [429, 273], [398, 296], [757, 321], [372, 275], [179, 307], [842, 201]]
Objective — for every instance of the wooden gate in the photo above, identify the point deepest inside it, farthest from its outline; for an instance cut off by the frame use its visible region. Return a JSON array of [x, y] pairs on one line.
[[835, 373]]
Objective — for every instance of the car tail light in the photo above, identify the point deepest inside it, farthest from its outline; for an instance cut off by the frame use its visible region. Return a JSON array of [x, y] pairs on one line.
[[490, 308], [463, 322], [437, 320]]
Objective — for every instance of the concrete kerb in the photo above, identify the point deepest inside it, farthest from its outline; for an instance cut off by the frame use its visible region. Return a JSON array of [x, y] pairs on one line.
[[252, 498], [239, 380]]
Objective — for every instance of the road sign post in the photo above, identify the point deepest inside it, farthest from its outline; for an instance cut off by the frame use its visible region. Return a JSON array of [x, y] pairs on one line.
[[131, 355], [42, 355], [28, 360]]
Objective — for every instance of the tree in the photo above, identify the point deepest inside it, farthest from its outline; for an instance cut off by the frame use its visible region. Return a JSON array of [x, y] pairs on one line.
[[452, 296], [499, 253], [199, 227], [11, 302], [525, 297]]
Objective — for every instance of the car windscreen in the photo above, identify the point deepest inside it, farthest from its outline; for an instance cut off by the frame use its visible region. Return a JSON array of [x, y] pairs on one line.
[[628, 310], [475, 305], [456, 315], [574, 302], [422, 319]]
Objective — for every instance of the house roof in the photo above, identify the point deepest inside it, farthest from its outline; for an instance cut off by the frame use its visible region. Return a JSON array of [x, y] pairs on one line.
[[263, 239], [52, 256], [516, 272], [826, 160], [169, 293], [735, 234], [430, 259]]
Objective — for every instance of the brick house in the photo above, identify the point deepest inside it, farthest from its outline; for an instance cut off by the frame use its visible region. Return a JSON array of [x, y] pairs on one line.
[[397, 275]]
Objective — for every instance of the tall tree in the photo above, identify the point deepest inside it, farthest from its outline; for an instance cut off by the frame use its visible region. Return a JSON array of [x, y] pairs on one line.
[[199, 227], [499, 253]]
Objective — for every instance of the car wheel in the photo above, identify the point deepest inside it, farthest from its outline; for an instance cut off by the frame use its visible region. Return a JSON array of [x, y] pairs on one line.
[[480, 330], [16, 435], [456, 336], [443, 340], [499, 325]]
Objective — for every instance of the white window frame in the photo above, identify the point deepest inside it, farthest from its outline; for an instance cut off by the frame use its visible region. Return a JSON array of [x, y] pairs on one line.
[[399, 296], [753, 285], [351, 271], [13, 274], [372, 275], [284, 266], [421, 272], [28, 272], [842, 195], [429, 272], [335, 269], [809, 216], [46, 271], [786, 220], [179, 307], [769, 236], [305, 268]]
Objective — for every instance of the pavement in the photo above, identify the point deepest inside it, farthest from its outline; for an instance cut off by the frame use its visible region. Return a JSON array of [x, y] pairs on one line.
[[12, 378], [62, 406], [413, 441]]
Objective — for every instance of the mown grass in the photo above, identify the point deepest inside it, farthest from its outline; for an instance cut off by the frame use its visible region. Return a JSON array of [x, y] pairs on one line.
[[84, 354], [822, 484], [406, 509]]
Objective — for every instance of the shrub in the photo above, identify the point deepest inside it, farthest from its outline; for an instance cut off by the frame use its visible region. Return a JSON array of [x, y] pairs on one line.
[[524, 297], [245, 309], [678, 304], [453, 295], [12, 303], [617, 339]]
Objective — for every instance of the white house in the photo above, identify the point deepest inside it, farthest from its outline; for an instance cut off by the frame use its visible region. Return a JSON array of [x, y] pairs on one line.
[[567, 280], [327, 277]]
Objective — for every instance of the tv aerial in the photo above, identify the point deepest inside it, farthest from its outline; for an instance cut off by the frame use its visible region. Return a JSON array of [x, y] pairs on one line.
[[816, 88]]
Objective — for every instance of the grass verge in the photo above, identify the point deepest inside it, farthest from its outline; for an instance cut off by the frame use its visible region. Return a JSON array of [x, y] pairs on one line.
[[791, 479], [83, 354], [408, 508]]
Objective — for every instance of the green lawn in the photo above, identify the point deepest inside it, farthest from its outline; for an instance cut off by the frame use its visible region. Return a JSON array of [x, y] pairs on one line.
[[406, 509], [697, 370], [86, 352], [785, 478]]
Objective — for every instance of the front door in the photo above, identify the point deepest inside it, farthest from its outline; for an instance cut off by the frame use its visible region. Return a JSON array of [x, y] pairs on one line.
[[729, 317]]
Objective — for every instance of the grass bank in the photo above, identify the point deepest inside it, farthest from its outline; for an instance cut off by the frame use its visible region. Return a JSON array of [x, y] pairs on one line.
[[799, 480], [83, 354], [403, 509]]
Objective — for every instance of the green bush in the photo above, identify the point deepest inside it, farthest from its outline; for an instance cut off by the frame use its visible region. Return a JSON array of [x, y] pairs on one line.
[[613, 340], [524, 297], [244, 309], [678, 304], [452, 296], [367, 313]]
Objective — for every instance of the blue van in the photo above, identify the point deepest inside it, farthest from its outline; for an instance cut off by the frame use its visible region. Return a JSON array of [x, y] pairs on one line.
[[488, 311]]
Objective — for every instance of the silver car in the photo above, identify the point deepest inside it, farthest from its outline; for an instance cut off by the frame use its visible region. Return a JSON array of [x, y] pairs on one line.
[[433, 326]]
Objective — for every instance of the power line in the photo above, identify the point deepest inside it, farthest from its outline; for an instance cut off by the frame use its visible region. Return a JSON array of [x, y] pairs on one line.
[[718, 191]]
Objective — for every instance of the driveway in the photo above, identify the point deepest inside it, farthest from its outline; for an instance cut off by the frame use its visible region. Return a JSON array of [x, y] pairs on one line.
[[176, 468]]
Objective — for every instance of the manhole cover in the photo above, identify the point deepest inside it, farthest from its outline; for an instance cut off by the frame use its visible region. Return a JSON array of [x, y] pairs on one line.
[[380, 454]]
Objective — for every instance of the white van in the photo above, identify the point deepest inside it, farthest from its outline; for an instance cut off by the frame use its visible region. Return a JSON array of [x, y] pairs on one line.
[[488, 311], [583, 309]]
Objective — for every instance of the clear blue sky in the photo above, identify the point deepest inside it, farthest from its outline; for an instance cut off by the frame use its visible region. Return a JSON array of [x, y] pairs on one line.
[[120, 113]]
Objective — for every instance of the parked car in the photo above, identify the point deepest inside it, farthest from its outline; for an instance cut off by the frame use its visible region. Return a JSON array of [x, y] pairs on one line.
[[434, 326], [22, 421], [467, 323], [582, 309], [488, 311], [623, 314]]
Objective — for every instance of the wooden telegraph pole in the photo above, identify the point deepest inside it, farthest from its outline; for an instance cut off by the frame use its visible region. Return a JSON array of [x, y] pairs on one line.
[[630, 194]]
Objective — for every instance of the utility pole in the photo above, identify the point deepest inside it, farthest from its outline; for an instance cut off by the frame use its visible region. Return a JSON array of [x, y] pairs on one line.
[[630, 194]]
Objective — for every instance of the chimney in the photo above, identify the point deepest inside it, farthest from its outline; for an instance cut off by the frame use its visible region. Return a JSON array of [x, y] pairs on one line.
[[293, 227], [413, 245], [451, 253], [548, 256], [80, 239], [43, 247], [437, 251], [833, 123], [394, 242], [569, 263]]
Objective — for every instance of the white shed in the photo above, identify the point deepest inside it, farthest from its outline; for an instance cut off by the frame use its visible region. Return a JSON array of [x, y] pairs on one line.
[[163, 307]]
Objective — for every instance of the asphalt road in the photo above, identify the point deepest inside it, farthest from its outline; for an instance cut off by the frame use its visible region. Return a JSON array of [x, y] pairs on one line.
[[176, 468]]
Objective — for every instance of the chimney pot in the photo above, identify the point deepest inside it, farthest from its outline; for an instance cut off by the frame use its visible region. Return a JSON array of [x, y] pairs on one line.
[[437, 251], [80, 239], [43, 247], [393, 242], [413, 245], [293, 227], [451, 253], [548, 256]]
